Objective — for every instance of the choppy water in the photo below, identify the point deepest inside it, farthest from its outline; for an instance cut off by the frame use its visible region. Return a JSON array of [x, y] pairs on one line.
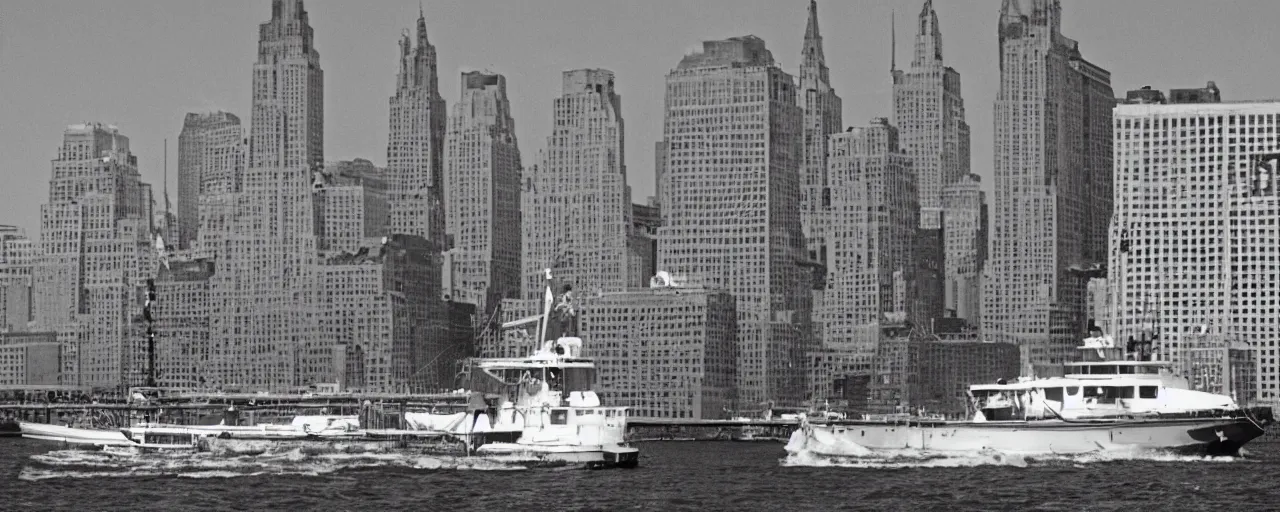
[[672, 476]]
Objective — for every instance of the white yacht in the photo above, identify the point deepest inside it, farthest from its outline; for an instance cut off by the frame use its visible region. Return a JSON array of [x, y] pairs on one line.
[[1106, 402]]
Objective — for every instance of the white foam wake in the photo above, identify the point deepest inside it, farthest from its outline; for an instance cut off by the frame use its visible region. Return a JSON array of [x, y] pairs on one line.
[[127, 463]]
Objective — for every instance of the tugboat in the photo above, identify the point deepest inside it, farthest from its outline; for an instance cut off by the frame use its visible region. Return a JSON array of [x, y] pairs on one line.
[[1105, 402], [541, 406]]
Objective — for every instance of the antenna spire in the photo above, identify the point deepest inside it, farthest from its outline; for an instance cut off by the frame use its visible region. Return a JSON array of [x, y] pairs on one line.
[[893, 41]]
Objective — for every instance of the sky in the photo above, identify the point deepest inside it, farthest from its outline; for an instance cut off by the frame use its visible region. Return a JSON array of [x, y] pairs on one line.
[[143, 64]]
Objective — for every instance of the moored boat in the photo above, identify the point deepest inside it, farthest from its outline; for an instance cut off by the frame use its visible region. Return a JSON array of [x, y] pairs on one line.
[[1103, 403], [88, 438]]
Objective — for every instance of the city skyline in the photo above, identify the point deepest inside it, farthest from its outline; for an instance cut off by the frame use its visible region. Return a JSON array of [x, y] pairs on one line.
[[151, 107]]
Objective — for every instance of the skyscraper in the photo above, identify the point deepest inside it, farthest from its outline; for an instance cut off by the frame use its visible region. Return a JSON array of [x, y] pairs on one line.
[[263, 309], [822, 117], [873, 216], [210, 161], [577, 214], [415, 143], [96, 253], [482, 193], [1050, 144], [1195, 248], [731, 205], [929, 113]]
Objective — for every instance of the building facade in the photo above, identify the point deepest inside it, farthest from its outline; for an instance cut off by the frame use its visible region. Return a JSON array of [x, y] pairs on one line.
[[576, 205], [482, 193], [1195, 244], [415, 143], [1050, 147], [940, 373], [664, 352], [351, 205], [873, 217], [30, 359], [18, 257], [964, 227], [181, 313], [731, 205], [211, 159], [383, 310], [96, 251], [263, 297]]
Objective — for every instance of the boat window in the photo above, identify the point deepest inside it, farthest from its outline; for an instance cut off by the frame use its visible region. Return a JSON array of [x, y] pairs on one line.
[[1148, 391], [559, 417], [1126, 392], [1054, 394], [1126, 369], [1073, 390], [1148, 370], [1104, 394]]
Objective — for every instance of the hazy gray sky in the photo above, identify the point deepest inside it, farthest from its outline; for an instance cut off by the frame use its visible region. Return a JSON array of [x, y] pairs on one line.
[[143, 64]]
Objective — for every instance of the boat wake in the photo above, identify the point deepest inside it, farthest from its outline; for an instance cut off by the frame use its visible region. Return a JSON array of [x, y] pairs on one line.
[[126, 462], [851, 455]]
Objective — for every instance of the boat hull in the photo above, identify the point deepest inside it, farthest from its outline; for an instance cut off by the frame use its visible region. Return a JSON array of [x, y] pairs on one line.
[[1206, 436], [593, 457], [75, 436]]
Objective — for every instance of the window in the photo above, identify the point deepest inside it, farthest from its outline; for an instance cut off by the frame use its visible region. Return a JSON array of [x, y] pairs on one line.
[[1148, 391], [1054, 394]]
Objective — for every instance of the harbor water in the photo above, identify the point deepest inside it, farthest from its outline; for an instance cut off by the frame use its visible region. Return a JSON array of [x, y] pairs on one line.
[[672, 476]]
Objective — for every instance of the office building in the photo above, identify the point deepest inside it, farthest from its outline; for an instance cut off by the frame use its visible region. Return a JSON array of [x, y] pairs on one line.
[[731, 205]]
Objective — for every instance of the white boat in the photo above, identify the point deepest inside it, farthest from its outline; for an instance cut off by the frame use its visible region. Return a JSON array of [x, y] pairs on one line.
[[75, 436], [1104, 403]]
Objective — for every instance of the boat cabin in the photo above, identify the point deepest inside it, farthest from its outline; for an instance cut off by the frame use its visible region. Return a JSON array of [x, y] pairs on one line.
[[1103, 385]]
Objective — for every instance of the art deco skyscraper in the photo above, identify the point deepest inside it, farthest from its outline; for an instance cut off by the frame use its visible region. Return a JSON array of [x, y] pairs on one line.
[[929, 113], [822, 113], [210, 161], [415, 144], [482, 192], [731, 210], [578, 214], [1052, 147], [96, 253], [263, 316]]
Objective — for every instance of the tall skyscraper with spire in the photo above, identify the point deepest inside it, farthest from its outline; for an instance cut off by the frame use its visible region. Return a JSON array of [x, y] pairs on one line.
[[929, 113], [578, 215], [415, 144], [731, 205], [263, 308], [482, 193], [1052, 143], [822, 117]]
